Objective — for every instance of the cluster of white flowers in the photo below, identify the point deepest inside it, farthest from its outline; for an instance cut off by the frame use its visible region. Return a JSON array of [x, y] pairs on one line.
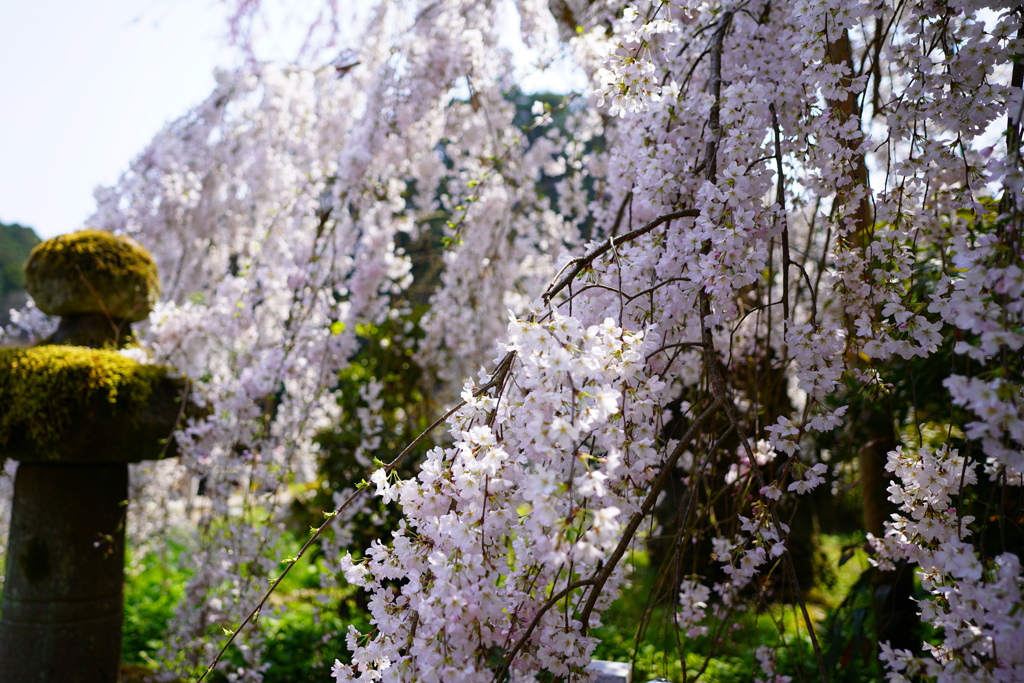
[[693, 602], [766, 659], [975, 603], [984, 298], [560, 468], [630, 81], [759, 542]]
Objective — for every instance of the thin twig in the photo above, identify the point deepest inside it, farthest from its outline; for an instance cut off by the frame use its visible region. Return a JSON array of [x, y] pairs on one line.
[[110, 319], [720, 391], [652, 497], [552, 601], [578, 264], [781, 198], [497, 378]]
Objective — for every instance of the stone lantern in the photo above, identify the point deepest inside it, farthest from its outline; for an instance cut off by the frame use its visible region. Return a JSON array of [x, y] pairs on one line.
[[74, 412]]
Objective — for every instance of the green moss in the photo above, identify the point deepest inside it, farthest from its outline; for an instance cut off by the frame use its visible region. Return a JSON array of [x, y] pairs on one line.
[[43, 389], [92, 271]]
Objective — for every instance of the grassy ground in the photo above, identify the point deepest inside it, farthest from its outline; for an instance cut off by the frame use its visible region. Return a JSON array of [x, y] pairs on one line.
[[645, 634], [297, 648], [633, 631]]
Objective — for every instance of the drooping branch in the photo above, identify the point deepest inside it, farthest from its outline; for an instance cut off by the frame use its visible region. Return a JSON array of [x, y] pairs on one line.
[[645, 508], [497, 380], [577, 265]]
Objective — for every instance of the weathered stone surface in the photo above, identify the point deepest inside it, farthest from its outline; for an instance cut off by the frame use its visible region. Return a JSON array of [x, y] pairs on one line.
[[92, 271], [78, 405], [610, 672], [62, 605], [92, 329]]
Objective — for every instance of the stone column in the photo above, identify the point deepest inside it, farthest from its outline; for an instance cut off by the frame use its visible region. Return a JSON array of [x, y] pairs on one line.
[[74, 412]]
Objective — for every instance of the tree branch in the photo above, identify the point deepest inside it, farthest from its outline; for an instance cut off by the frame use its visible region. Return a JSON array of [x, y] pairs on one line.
[[652, 497], [578, 264]]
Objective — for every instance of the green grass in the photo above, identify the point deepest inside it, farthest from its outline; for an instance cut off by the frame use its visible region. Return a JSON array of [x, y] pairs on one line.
[[726, 654], [295, 624], [153, 587], [302, 640]]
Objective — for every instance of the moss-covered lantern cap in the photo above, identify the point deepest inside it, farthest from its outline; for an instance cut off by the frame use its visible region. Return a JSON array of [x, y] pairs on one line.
[[74, 404], [92, 271]]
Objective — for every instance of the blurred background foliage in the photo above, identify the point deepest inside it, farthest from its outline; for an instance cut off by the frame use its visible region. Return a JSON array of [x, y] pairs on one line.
[[16, 241]]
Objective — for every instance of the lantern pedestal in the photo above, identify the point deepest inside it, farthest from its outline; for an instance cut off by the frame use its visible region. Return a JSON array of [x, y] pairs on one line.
[[63, 601]]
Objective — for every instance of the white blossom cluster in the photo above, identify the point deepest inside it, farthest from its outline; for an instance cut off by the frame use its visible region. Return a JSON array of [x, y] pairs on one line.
[[975, 603], [477, 508]]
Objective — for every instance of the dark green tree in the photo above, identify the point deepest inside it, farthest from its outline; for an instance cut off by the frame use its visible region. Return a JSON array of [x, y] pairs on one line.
[[16, 241]]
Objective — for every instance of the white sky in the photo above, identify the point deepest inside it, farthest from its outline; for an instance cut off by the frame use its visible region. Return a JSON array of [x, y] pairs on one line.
[[84, 86]]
